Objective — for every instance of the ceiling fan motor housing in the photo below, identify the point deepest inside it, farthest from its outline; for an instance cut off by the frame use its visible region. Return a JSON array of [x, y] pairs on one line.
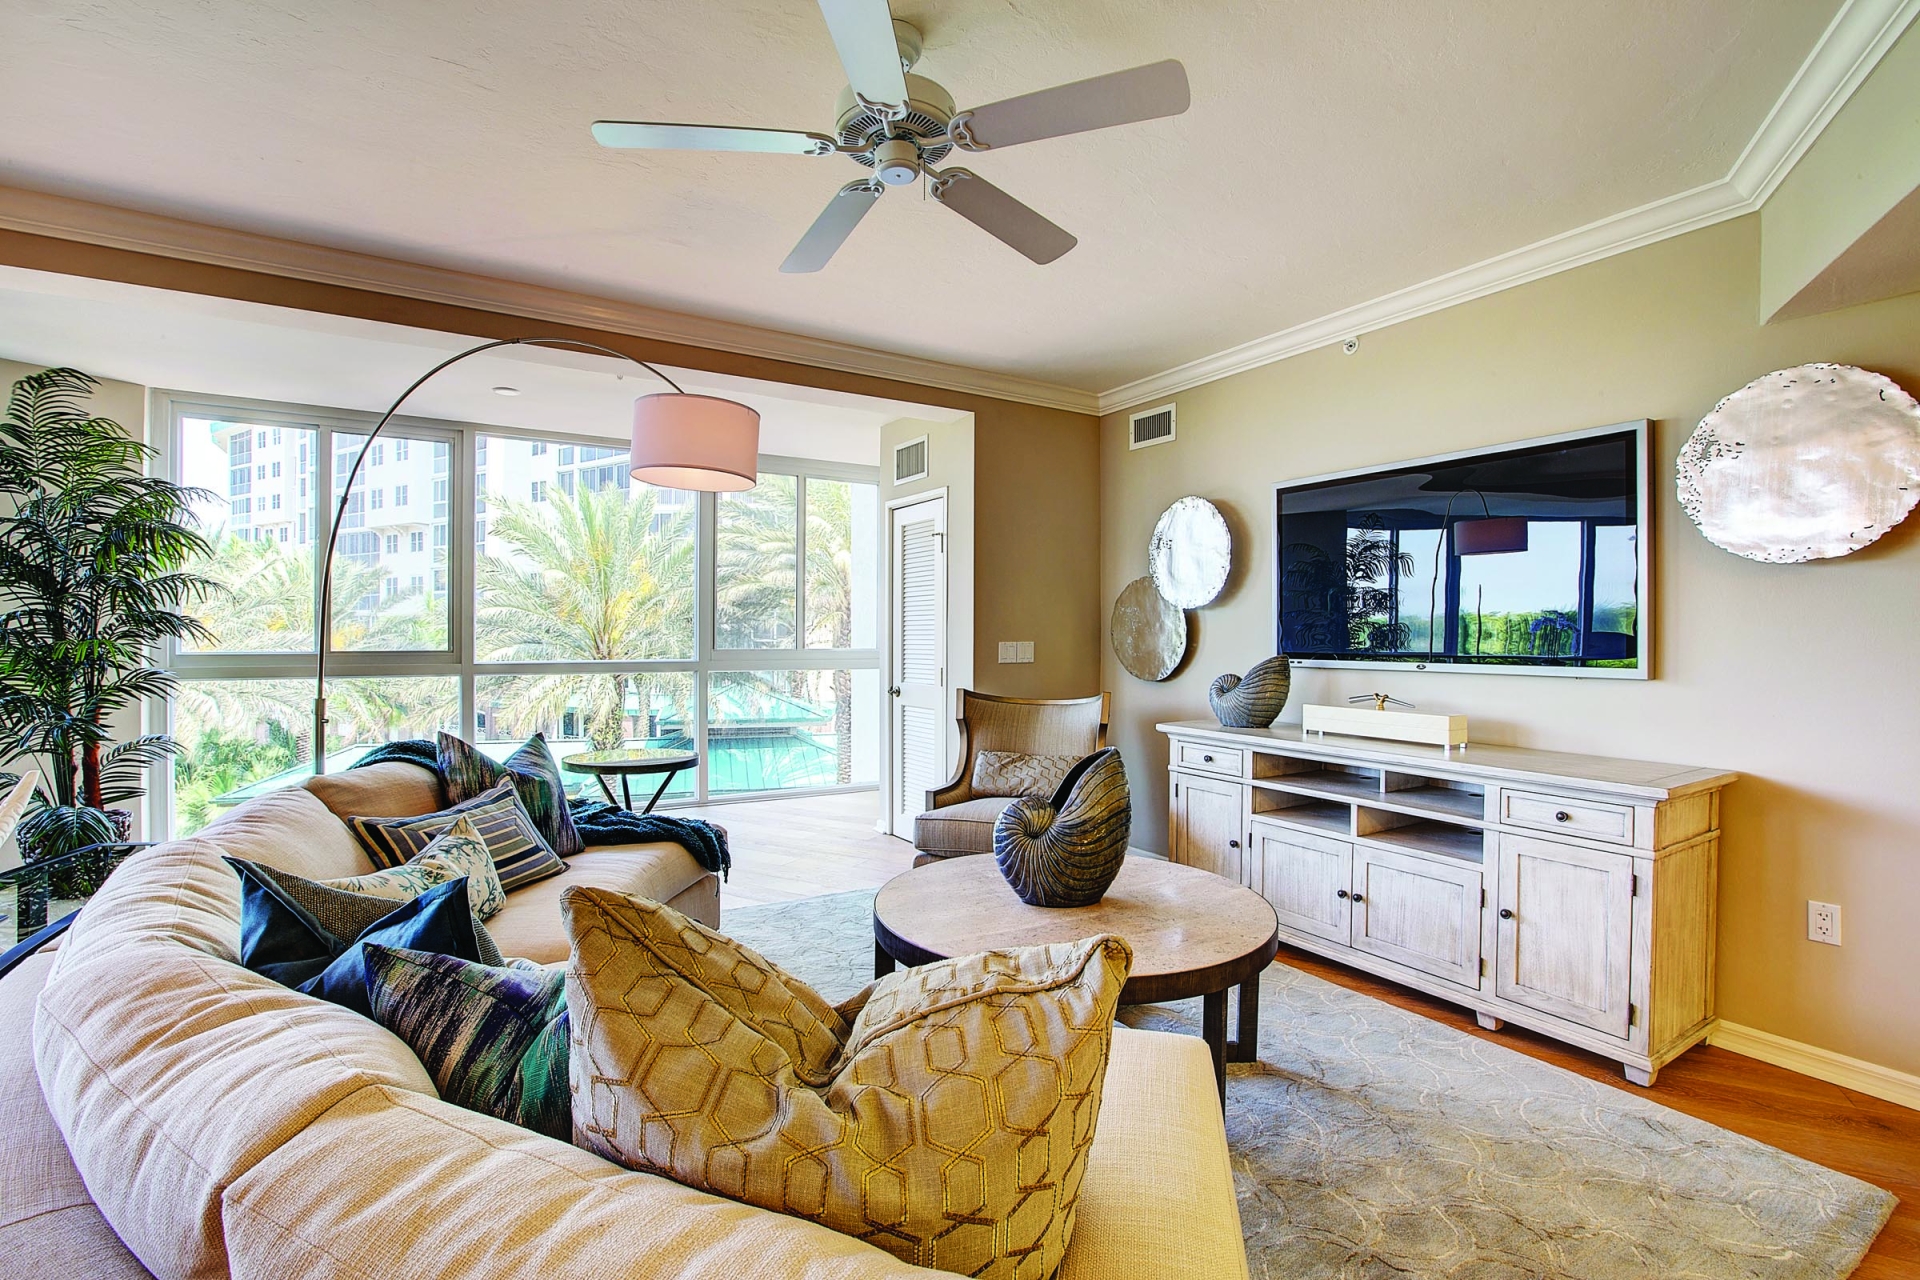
[[928, 108]]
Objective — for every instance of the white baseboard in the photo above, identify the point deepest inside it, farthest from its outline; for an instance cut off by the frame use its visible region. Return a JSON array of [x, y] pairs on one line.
[[1822, 1064]]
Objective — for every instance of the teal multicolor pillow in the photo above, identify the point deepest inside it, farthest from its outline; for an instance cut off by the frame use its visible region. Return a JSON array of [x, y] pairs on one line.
[[493, 1038], [467, 772], [457, 851], [520, 855]]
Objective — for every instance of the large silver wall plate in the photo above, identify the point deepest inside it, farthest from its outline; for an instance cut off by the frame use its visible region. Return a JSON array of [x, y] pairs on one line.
[[1190, 553], [1149, 634], [1804, 464]]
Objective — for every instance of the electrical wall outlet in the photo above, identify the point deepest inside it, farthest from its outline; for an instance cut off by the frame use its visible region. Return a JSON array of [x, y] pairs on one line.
[[1823, 922]]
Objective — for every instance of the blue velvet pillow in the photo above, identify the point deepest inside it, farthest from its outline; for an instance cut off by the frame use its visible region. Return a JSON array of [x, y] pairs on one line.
[[494, 1038], [313, 945]]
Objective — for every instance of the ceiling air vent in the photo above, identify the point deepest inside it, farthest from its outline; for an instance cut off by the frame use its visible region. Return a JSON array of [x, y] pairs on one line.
[[910, 461], [1152, 426]]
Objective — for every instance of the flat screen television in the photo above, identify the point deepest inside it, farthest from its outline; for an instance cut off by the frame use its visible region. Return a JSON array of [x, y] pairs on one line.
[[1527, 558]]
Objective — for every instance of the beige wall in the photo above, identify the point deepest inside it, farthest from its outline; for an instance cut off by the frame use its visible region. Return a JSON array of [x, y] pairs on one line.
[[1805, 678], [1857, 173], [126, 404]]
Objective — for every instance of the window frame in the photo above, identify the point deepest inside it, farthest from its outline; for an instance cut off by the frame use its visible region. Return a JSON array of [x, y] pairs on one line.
[[169, 408]]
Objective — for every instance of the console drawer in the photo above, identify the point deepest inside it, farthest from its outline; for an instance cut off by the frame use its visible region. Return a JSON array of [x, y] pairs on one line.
[[1594, 819], [1228, 762]]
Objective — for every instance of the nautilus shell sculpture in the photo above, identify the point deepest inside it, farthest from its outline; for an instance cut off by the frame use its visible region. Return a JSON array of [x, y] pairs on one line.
[[1066, 851], [1255, 700]]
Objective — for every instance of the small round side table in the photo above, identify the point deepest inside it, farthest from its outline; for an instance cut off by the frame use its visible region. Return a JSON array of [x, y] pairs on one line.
[[625, 762]]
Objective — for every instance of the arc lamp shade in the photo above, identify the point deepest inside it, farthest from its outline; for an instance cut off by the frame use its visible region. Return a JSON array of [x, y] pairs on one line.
[[686, 441], [1492, 536]]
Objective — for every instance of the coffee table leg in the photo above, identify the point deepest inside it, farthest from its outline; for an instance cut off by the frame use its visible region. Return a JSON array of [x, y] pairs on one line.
[[882, 962], [1213, 1029], [661, 790], [1245, 1045]]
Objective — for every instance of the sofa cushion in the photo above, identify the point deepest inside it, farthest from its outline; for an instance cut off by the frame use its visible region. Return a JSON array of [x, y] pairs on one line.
[[951, 1129], [466, 771], [391, 789], [152, 1043], [457, 851], [494, 1037], [520, 854], [48, 1223], [529, 925], [291, 830], [966, 827], [389, 1184]]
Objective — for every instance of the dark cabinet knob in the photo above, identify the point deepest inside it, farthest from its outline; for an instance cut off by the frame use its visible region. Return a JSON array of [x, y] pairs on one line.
[[1207, 759], [1358, 898], [1506, 913], [1563, 816], [1342, 894], [1233, 844]]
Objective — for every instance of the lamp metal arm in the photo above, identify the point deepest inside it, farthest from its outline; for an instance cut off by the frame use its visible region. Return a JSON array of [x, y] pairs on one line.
[[323, 631]]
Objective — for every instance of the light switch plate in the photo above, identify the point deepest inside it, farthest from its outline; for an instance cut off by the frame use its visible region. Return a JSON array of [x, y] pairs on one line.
[[1009, 651], [1025, 653]]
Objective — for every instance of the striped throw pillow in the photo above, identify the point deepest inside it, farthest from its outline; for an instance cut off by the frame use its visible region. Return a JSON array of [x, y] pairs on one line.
[[520, 856], [467, 772]]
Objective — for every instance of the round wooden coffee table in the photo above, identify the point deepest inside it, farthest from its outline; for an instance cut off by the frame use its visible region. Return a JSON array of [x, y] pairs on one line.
[[1193, 933]]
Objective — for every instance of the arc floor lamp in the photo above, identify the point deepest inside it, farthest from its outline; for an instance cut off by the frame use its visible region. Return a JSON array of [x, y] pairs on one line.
[[680, 440]]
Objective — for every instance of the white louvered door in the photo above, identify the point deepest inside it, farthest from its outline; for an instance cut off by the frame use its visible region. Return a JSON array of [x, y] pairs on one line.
[[918, 693]]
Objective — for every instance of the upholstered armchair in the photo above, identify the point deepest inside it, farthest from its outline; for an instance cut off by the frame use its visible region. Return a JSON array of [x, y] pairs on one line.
[[959, 818]]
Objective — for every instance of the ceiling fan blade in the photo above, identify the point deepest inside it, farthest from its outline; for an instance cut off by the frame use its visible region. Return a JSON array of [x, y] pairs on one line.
[[708, 137], [831, 229], [1122, 97], [862, 32], [1000, 215]]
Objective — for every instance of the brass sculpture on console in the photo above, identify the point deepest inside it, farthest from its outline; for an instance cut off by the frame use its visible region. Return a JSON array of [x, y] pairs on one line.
[[1066, 851], [1253, 701]]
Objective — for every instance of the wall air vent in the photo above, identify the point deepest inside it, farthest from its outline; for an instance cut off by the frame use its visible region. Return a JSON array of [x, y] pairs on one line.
[[910, 461], [1150, 426]]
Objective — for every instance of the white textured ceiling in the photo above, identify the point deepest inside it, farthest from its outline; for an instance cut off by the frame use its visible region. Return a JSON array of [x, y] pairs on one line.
[[1335, 151], [182, 342]]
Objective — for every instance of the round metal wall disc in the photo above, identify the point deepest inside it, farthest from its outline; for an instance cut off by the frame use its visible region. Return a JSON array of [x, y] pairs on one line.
[[1190, 553], [1149, 634], [1803, 464]]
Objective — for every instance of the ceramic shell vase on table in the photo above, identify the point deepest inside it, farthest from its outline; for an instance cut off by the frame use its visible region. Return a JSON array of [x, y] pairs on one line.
[[1066, 851], [1253, 701]]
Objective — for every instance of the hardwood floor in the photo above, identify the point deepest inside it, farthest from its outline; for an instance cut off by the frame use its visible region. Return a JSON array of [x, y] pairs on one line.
[[1878, 1142], [799, 848], [786, 849]]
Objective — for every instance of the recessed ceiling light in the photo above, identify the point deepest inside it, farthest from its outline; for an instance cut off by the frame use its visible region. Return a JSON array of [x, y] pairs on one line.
[[506, 391]]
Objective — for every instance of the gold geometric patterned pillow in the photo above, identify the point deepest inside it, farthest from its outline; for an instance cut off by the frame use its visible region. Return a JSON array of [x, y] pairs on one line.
[[1015, 773], [948, 1125]]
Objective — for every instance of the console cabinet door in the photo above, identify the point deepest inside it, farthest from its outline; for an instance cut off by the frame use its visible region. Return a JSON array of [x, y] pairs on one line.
[[1306, 878], [1418, 912], [1206, 825], [1565, 931]]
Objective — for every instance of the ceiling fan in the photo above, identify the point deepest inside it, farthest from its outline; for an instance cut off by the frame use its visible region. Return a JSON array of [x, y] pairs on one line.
[[901, 125]]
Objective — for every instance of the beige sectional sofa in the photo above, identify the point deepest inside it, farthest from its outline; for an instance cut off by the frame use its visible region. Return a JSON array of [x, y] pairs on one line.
[[203, 1121]]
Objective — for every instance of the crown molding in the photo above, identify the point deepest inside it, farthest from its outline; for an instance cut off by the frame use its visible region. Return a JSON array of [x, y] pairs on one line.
[[60, 217], [1846, 53]]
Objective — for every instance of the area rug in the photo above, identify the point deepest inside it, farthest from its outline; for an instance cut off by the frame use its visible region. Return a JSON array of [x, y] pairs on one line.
[[1369, 1142]]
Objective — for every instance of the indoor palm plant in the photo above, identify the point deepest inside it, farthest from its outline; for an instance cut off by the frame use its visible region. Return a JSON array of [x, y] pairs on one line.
[[93, 575]]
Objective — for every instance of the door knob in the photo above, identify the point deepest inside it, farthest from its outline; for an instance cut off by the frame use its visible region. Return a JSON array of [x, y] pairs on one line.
[[1233, 844], [1563, 816], [1506, 913], [1358, 898], [1206, 759], [893, 691], [1342, 894]]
